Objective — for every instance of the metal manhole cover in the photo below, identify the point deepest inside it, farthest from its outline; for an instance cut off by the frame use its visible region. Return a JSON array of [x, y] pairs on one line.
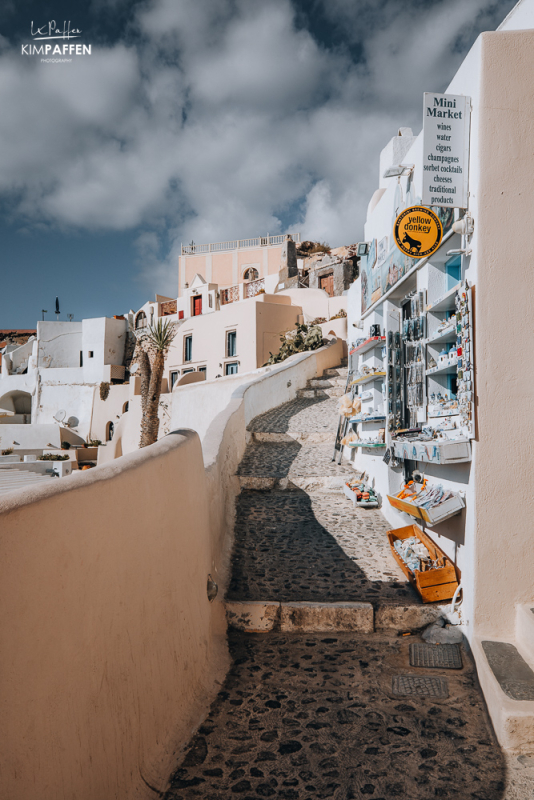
[[435, 656], [420, 686]]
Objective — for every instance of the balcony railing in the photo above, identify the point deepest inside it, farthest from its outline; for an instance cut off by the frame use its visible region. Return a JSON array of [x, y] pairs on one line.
[[252, 288], [237, 244], [230, 295]]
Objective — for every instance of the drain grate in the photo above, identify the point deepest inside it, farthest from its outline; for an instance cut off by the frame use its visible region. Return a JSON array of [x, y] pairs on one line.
[[436, 656], [420, 686]]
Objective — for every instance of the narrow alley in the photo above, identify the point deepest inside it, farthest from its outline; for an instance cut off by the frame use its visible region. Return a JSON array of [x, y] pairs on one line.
[[306, 714]]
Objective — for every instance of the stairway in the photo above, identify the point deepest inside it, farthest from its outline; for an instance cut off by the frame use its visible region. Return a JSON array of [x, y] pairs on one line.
[[12, 479], [309, 708], [304, 558], [332, 384], [506, 673]]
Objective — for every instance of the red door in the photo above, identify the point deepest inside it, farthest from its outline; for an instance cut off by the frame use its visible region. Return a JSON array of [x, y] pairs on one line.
[[197, 305]]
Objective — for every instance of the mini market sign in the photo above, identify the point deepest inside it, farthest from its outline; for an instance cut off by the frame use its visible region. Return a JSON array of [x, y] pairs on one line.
[[418, 232]]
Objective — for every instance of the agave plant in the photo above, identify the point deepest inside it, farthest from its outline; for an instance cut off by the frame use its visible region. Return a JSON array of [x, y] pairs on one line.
[[158, 339]]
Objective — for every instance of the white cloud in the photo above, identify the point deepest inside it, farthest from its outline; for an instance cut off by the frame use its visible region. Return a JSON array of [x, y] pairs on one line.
[[223, 119]]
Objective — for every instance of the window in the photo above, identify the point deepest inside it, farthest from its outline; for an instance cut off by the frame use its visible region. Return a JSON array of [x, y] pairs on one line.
[[231, 369], [186, 371], [210, 300], [91, 353], [174, 378], [251, 274], [140, 320], [109, 431], [188, 348], [231, 344], [125, 407], [202, 369], [81, 358]]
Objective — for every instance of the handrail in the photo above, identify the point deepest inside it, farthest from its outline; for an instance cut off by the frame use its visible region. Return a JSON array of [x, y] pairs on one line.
[[236, 244]]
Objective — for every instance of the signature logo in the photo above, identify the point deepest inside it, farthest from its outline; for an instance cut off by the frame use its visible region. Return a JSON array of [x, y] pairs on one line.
[[52, 31]]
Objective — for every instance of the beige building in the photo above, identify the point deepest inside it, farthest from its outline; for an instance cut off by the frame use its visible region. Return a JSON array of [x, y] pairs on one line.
[[238, 261], [237, 339]]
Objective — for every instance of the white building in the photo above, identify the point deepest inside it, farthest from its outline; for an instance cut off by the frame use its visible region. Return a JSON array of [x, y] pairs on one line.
[[48, 385], [489, 373]]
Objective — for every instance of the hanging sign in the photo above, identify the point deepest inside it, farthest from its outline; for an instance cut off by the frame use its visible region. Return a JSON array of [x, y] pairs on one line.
[[446, 119], [382, 251], [417, 232]]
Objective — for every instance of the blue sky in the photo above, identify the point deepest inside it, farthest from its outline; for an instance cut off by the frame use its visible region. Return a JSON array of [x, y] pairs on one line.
[[203, 120]]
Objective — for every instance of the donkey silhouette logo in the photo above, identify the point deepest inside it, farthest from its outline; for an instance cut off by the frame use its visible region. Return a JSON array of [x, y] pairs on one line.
[[414, 244]]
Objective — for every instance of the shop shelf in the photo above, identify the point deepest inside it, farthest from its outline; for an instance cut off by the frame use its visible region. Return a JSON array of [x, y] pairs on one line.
[[447, 412], [448, 335], [451, 451], [352, 497], [364, 347], [446, 302], [433, 584], [449, 369], [431, 516], [364, 444], [367, 419], [368, 378]]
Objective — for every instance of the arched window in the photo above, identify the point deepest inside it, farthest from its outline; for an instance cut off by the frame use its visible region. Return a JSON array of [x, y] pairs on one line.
[[110, 427], [125, 407], [251, 274], [140, 320]]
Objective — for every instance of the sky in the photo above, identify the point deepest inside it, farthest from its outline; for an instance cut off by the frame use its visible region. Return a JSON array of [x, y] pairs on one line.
[[200, 120]]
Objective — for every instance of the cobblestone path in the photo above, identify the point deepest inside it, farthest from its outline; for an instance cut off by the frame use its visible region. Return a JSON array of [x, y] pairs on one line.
[[305, 716], [308, 544]]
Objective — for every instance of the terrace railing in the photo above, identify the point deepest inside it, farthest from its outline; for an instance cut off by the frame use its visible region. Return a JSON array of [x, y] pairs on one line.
[[237, 244], [230, 295], [252, 288]]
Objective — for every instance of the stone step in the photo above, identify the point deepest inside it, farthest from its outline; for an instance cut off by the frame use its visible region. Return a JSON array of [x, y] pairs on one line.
[[260, 617], [291, 483], [407, 617], [315, 437], [327, 383], [320, 383], [507, 681], [334, 391]]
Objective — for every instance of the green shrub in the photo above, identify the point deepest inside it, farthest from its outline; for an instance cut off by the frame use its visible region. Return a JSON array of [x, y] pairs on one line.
[[302, 339], [8, 451], [52, 457]]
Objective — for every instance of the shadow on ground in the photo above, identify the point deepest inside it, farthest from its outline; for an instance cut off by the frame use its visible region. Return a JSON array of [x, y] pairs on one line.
[[282, 553]]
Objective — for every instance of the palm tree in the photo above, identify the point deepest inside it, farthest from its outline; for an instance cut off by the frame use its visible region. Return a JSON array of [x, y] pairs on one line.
[[157, 338]]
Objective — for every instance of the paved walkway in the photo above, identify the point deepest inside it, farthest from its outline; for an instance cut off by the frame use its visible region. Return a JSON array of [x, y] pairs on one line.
[[305, 716], [307, 542], [314, 717]]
